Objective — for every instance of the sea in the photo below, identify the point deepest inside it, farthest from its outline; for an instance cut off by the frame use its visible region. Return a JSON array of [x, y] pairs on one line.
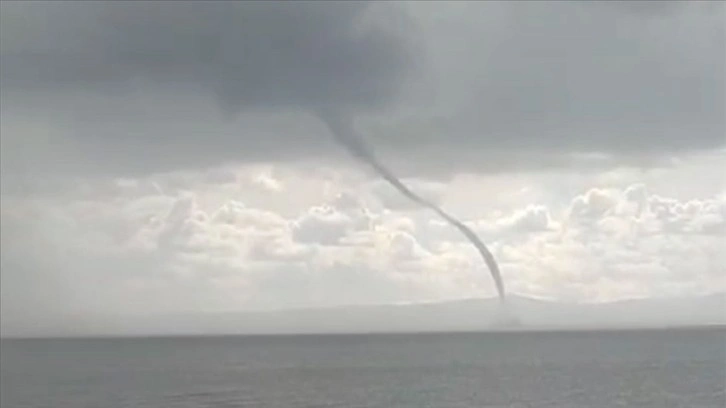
[[627, 368]]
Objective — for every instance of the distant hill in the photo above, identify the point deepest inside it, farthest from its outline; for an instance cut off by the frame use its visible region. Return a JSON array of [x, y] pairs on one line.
[[460, 315]]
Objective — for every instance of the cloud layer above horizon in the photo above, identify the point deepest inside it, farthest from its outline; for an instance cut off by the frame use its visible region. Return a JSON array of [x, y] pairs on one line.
[[269, 238]]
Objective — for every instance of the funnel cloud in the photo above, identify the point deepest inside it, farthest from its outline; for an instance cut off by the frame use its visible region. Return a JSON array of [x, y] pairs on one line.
[[343, 132]]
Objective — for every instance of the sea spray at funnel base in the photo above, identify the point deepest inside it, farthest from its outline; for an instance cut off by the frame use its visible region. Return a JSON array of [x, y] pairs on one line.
[[342, 129]]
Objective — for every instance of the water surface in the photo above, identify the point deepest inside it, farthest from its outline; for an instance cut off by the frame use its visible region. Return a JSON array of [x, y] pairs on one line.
[[669, 368]]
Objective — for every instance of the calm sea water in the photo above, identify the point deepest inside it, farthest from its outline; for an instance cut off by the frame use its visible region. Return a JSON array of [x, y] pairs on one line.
[[660, 369]]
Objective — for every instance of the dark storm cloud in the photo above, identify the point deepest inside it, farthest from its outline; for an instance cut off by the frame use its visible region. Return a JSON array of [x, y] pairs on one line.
[[134, 87], [645, 7], [260, 54], [587, 77], [138, 87]]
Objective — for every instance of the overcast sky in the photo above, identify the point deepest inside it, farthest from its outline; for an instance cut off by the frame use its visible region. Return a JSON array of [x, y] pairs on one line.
[[167, 156]]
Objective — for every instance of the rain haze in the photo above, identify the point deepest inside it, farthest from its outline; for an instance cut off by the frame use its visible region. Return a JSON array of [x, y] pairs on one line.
[[166, 167]]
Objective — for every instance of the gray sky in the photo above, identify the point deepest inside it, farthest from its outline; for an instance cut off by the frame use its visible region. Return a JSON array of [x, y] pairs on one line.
[[166, 156]]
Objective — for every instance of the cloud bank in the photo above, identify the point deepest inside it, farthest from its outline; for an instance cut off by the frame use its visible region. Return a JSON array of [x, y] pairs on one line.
[[135, 251]]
